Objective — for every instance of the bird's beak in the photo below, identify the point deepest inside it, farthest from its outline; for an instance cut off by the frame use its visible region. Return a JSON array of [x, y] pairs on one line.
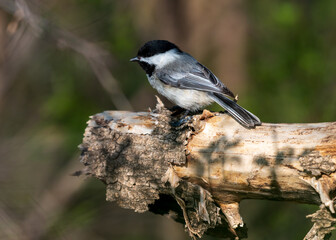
[[135, 59]]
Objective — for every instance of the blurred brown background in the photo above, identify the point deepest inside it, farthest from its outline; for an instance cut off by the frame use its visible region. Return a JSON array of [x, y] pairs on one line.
[[62, 61]]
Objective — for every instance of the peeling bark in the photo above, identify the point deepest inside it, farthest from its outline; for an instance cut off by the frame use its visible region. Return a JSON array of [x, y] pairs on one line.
[[323, 224], [199, 172]]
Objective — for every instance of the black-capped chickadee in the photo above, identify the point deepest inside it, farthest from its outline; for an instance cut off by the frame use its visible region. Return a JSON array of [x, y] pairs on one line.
[[187, 83]]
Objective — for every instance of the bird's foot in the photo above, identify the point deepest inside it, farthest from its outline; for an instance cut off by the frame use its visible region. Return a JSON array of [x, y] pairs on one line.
[[184, 119], [180, 122]]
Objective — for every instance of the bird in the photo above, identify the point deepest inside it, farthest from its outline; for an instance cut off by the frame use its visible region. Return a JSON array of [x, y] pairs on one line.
[[187, 83]]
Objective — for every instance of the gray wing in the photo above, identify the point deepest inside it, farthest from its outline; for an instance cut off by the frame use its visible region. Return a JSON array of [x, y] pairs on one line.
[[197, 77]]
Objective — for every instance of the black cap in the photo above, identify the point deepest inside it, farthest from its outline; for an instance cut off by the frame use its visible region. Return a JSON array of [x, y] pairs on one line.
[[154, 47]]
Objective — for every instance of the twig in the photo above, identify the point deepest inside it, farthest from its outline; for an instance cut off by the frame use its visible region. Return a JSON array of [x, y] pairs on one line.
[[94, 55]]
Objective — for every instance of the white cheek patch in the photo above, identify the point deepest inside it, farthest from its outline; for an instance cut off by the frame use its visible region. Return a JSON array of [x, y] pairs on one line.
[[162, 59]]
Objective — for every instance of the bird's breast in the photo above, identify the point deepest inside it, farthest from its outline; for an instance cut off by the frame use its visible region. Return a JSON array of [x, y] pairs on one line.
[[185, 98]]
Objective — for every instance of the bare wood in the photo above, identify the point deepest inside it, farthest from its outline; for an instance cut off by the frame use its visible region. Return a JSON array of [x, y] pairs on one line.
[[211, 163], [275, 161]]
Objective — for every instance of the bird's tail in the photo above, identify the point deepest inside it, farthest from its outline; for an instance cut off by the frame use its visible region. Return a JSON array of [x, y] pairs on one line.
[[241, 115]]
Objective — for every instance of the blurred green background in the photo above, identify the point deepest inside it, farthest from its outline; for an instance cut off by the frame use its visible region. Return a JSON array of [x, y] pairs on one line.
[[62, 61]]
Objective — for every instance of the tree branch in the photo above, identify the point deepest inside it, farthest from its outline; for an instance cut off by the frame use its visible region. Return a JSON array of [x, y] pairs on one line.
[[203, 169]]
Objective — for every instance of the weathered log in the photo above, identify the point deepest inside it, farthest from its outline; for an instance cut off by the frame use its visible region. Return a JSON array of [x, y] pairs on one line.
[[199, 172]]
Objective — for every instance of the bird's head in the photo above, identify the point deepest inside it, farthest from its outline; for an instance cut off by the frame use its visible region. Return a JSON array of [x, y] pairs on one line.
[[156, 54]]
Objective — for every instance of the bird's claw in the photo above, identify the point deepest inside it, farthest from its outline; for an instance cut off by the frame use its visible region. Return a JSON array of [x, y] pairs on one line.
[[180, 122]]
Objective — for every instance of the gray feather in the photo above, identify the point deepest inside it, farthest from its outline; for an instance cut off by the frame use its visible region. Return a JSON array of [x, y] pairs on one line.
[[241, 115], [190, 74]]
